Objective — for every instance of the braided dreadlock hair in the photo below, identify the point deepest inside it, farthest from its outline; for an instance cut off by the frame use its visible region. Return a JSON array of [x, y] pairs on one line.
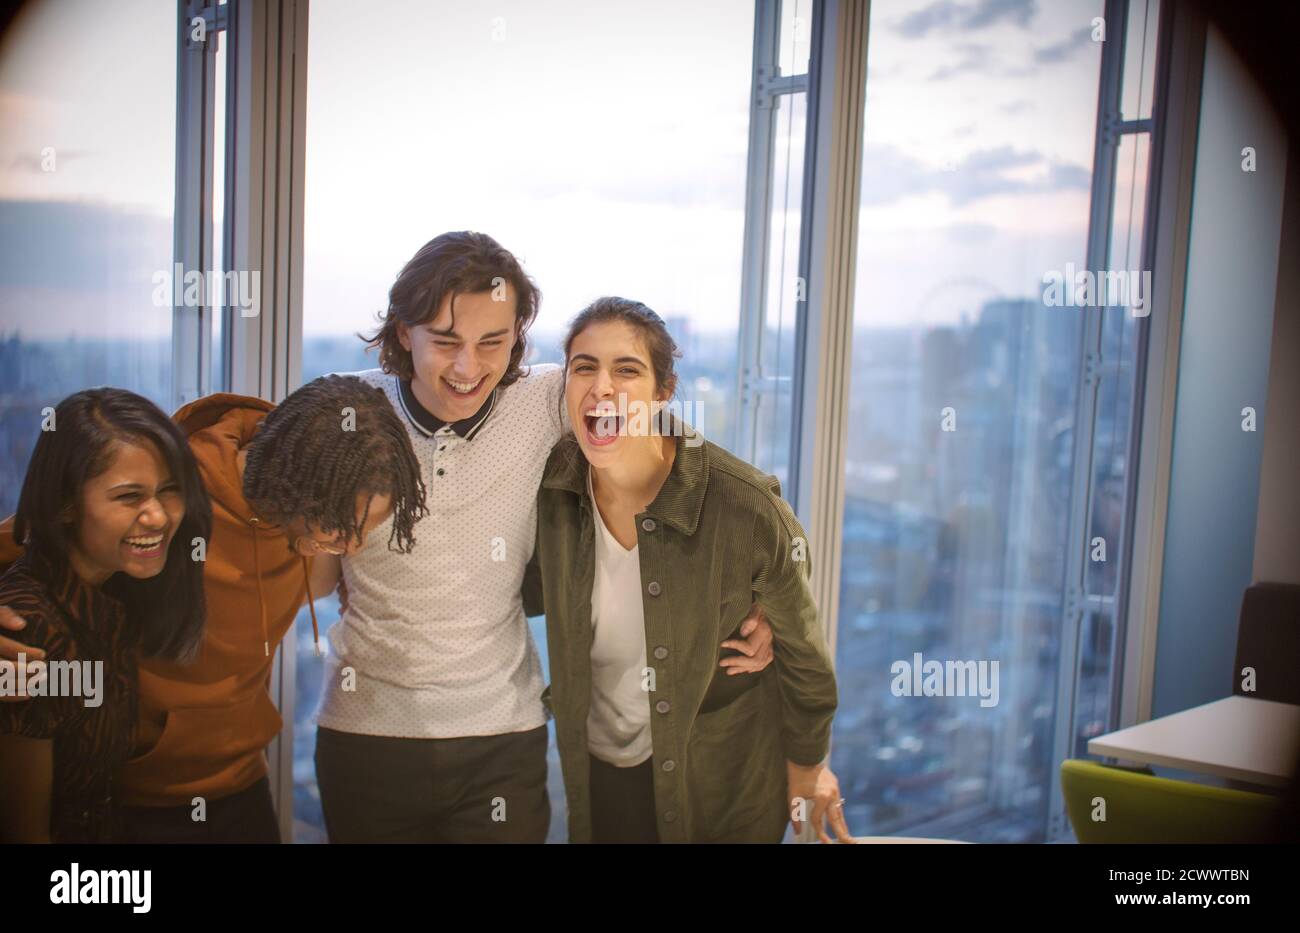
[[306, 462]]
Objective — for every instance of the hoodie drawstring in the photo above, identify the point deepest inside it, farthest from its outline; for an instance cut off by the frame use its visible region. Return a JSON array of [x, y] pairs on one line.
[[261, 602]]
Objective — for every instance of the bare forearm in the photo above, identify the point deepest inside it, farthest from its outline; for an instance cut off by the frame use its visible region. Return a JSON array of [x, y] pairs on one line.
[[27, 774], [326, 569]]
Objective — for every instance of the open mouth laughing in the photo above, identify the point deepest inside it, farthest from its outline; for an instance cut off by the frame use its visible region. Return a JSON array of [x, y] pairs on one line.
[[604, 425], [147, 547]]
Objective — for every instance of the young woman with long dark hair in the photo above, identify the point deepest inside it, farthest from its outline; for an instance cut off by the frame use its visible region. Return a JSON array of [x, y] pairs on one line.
[[652, 545], [113, 517]]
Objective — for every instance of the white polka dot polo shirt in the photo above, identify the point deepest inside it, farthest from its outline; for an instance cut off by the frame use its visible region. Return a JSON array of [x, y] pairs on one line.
[[437, 638]]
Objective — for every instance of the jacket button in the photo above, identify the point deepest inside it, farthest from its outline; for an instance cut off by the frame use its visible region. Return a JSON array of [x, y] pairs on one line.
[[670, 815], [441, 471], [663, 706], [661, 652], [648, 524], [669, 765], [654, 589]]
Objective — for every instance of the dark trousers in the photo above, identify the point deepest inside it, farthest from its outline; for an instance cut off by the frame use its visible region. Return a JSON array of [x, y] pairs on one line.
[[623, 803], [245, 817], [476, 789]]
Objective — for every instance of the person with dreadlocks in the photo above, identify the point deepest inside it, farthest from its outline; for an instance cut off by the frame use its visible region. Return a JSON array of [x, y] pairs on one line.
[[313, 477]]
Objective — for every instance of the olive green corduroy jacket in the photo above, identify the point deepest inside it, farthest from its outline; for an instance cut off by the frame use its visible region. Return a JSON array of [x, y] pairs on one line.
[[717, 538]]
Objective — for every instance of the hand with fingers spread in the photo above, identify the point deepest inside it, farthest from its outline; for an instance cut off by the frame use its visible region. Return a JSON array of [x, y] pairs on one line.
[[9, 651], [754, 645], [814, 794]]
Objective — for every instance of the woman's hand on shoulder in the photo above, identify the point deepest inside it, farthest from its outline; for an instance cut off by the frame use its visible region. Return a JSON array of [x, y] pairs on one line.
[[10, 649], [754, 645]]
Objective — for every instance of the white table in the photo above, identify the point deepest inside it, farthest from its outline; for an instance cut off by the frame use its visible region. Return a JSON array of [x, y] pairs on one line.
[[1238, 738]]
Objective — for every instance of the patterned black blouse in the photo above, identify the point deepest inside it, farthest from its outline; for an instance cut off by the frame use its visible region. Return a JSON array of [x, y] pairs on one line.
[[74, 621]]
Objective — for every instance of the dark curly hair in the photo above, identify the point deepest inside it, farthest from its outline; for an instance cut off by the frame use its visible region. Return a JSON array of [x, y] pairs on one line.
[[305, 462], [464, 262], [167, 611]]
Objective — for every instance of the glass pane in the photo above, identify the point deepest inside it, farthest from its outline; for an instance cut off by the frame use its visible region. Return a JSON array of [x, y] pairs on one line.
[[977, 165], [218, 208], [785, 293], [1092, 703], [86, 200], [633, 186], [1140, 59], [1110, 456], [1119, 337], [796, 29]]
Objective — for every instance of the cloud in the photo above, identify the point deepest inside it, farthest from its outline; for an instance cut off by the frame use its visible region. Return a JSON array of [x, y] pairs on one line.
[[966, 57], [988, 12], [1060, 51], [952, 16], [978, 58], [1062, 175], [889, 175], [971, 233]]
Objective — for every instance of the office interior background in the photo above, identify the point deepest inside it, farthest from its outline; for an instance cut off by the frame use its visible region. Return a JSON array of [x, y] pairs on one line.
[[848, 213]]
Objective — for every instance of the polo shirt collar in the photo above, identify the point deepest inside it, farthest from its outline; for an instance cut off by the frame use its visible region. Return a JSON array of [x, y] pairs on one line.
[[680, 499], [429, 424]]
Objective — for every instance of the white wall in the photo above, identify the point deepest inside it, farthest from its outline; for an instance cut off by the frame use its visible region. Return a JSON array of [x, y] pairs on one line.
[[1277, 534], [1224, 361]]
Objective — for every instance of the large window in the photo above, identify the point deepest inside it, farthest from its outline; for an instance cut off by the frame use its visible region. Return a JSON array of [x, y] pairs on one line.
[[1105, 456], [965, 423], [86, 185], [657, 151], [604, 146], [772, 292]]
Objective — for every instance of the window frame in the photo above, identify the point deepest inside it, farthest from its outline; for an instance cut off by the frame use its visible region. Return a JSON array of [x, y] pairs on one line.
[[261, 231], [193, 229]]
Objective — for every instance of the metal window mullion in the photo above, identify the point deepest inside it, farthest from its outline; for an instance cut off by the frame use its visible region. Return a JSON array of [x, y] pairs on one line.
[[774, 86], [758, 224], [267, 71], [1116, 604], [244, 192], [828, 260], [1180, 61], [799, 371], [1121, 127], [291, 114], [1101, 218], [192, 218]]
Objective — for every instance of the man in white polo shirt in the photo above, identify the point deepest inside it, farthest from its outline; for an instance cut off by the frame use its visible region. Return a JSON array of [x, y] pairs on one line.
[[432, 726]]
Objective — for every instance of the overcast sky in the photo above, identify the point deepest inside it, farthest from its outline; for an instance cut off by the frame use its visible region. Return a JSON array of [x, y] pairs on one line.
[[603, 142]]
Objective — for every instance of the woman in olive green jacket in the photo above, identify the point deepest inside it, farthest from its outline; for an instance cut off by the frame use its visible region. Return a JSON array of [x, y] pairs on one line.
[[652, 545]]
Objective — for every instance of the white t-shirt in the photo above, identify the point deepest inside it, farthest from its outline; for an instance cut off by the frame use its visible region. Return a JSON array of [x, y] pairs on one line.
[[618, 722], [437, 639]]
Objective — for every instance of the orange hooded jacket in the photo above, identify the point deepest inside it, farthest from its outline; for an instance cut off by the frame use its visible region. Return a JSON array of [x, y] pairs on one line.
[[204, 726]]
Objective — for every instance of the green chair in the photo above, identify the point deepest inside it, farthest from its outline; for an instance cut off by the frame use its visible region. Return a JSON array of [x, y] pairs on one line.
[[1141, 807]]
